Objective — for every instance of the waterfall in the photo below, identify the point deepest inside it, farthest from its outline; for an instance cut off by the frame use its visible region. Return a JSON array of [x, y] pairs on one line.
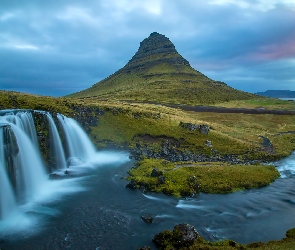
[[22, 172], [7, 199], [31, 169], [29, 126], [56, 149], [79, 145]]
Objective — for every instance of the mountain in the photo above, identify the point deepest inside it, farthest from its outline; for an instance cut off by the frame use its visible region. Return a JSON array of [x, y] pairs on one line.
[[278, 93], [158, 73]]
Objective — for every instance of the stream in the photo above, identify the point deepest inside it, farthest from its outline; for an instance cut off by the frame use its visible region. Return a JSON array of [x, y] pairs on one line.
[[94, 210]]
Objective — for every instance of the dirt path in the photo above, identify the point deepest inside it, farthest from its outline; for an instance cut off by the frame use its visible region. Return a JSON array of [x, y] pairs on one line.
[[258, 111]]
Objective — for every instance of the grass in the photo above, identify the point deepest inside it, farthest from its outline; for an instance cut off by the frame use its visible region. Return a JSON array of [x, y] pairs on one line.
[[189, 179], [124, 124], [235, 134], [158, 78], [261, 102], [170, 242], [11, 100]]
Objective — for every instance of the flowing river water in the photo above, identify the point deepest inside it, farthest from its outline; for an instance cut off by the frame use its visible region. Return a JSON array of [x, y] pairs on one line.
[[94, 210]]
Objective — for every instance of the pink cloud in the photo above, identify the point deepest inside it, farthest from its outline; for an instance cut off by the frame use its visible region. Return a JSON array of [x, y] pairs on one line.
[[283, 50]]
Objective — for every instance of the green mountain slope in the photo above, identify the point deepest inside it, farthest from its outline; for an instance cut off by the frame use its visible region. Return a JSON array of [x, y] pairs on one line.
[[158, 73]]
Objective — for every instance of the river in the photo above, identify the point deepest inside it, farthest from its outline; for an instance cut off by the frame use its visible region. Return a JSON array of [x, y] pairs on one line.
[[94, 210]]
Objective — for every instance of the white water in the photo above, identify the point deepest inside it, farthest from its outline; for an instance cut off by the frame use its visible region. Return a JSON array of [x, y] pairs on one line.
[[56, 149], [216, 214], [78, 142], [286, 166], [22, 206], [31, 168], [32, 216], [28, 126]]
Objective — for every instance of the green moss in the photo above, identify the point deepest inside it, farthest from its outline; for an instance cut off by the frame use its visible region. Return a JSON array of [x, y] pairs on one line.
[[189, 179], [167, 238], [9, 100]]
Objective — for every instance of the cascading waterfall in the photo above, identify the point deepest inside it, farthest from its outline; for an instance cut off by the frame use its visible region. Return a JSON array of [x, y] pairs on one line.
[[22, 171], [25, 121], [30, 163], [56, 149], [79, 145], [29, 126]]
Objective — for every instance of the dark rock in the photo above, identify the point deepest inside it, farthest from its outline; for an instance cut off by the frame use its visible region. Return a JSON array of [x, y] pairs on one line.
[[131, 185], [189, 126], [144, 248], [156, 173], [204, 129], [161, 180], [54, 176], [184, 235], [147, 218]]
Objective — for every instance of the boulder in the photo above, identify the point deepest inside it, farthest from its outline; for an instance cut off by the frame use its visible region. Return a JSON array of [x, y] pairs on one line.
[[131, 185], [161, 180], [148, 218], [184, 235], [144, 248], [156, 173], [204, 129]]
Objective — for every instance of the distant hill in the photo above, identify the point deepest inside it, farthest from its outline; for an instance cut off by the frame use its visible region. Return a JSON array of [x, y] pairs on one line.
[[158, 73], [278, 93]]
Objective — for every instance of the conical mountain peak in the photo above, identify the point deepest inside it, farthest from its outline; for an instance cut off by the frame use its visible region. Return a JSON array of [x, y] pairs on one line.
[[158, 73], [155, 44], [156, 49]]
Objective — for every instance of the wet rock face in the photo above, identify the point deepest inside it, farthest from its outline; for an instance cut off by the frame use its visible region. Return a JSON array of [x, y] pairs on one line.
[[11, 151]]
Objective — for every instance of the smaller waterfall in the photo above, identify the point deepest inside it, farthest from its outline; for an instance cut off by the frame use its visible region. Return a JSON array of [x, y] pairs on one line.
[[79, 145], [56, 149], [29, 126], [25, 121], [32, 171]]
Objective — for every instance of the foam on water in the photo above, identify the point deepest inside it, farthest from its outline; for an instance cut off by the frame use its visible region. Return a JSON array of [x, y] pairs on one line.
[[286, 166], [31, 217]]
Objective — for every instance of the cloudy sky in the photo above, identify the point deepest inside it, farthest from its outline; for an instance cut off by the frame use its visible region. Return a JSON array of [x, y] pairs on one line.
[[60, 47]]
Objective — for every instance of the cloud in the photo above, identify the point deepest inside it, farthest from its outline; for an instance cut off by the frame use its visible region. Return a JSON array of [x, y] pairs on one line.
[[66, 46]]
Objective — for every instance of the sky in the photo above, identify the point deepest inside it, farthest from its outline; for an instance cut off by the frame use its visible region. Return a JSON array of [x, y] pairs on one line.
[[57, 48]]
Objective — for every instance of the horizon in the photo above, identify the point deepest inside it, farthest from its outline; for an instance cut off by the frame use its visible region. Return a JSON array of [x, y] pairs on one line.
[[56, 49]]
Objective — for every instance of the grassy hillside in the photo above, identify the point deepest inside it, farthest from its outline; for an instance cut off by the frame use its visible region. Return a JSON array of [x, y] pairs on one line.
[[125, 124], [158, 73]]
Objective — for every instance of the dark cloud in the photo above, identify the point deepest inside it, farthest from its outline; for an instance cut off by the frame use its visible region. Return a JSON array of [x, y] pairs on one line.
[[60, 47]]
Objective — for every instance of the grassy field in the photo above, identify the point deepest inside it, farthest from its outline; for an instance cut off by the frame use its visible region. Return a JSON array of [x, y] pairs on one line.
[[126, 125], [261, 102], [229, 133]]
